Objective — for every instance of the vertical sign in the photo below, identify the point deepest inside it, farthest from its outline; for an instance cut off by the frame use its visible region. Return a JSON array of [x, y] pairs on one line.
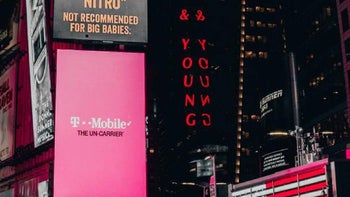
[[39, 72], [212, 181], [7, 112], [100, 124], [196, 79]]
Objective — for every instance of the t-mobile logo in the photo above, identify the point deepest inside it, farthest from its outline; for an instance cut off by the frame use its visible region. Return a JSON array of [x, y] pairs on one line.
[[75, 121]]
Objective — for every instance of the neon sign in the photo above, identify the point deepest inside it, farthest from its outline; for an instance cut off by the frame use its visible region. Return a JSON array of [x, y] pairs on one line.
[[196, 78]]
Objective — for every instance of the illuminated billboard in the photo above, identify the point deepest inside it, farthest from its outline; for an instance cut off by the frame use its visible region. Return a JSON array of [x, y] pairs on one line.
[[100, 130], [101, 20], [7, 112], [39, 67], [307, 180]]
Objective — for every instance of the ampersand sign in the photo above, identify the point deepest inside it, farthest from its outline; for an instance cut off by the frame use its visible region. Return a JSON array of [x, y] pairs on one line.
[[200, 16], [184, 15]]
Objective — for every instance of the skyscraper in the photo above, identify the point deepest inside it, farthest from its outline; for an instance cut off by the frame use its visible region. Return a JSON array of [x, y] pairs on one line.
[[314, 36], [196, 81], [343, 8], [265, 105]]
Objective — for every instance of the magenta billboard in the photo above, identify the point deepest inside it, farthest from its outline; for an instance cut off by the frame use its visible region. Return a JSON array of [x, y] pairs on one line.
[[100, 145]]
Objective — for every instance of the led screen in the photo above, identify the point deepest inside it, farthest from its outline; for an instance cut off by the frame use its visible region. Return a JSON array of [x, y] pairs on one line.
[[100, 128]]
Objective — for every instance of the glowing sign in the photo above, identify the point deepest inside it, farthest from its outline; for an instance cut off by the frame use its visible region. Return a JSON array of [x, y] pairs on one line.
[[196, 79], [102, 20], [100, 131], [308, 180]]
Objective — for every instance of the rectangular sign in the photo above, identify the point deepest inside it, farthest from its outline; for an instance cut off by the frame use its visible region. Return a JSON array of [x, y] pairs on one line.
[[7, 193], [39, 69], [7, 112], [101, 20], [100, 145]]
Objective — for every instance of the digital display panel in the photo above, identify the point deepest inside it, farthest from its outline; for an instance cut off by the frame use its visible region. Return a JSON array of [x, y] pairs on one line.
[[101, 20], [100, 130]]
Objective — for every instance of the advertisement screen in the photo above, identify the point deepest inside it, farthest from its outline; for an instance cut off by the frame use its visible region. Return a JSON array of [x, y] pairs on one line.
[[101, 20], [7, 112], [100, 130]]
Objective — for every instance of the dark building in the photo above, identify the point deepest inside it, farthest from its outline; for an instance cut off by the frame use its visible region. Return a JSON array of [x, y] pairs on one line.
[[196, 88], [313, 34], [343, 21], [266, 109]]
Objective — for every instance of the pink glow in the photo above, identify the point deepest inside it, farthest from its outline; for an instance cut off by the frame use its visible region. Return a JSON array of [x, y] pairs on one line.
[[347, 153], [105, 89]]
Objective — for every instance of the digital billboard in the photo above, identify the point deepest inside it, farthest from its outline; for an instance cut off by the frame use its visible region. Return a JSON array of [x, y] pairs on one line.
[[100, 130], [101, 20], [308, 180]]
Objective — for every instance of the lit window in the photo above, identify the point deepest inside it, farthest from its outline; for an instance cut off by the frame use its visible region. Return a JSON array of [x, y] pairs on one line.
[[271, 9], [237, 171], [246, 134], [262, 54], [250, 54], [260, 24], [328, 11], [259, 9], [249, 9], [250, 38], [261, 39], [271, 25], [316, 25], [238, 162]]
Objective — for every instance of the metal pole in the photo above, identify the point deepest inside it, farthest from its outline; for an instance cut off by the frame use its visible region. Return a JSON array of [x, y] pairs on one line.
[[294, 89], [295, 103]]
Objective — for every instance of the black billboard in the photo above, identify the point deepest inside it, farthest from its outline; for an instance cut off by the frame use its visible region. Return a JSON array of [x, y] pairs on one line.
[[101, 20], [278, 153]]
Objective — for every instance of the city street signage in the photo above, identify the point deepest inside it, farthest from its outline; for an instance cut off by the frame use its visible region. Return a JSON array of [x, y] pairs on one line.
[[100, 130], [39, 68], [101, 20]]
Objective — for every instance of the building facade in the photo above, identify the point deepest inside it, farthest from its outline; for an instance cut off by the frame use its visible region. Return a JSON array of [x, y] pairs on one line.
[[266, 106], [314, 36], [343, 21]]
